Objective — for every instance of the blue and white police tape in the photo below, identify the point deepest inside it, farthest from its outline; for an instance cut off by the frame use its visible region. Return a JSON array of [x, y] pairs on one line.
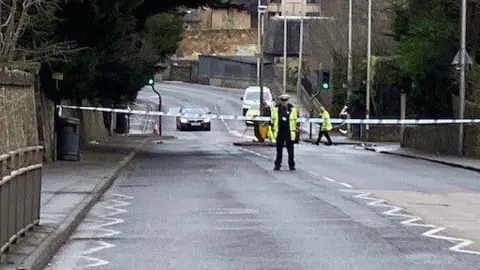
[[265, 118]]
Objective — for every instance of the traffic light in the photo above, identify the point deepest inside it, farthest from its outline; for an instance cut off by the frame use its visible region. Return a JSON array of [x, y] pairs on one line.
[[325, 79]]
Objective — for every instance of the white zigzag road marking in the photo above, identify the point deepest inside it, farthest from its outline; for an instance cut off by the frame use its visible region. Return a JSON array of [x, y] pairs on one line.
[[123, 196], [96, 262], [112, 221], [457, 248], [412, 221]]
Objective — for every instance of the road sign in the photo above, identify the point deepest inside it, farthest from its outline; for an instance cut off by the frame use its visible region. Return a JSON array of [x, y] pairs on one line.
[[456, 60], [57, 76]]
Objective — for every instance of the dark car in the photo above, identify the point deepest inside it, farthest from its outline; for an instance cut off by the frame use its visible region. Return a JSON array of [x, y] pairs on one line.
[[193, 118]]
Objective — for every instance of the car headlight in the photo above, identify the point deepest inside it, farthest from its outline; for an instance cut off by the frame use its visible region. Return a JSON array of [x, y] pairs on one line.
[[207, 120], [183, 120]]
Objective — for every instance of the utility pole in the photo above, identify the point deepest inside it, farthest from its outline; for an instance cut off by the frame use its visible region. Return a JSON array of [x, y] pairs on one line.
[[369, 56], [300, 49], [258, 41], [261, 11], [284, 48], [463, 54], [349, 62]]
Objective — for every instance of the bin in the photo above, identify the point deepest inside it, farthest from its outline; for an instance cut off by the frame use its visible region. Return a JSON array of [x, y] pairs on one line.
[[68, 141], [122, 123]]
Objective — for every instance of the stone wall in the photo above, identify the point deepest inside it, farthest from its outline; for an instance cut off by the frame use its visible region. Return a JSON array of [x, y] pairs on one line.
[[218, 42], [183, 70], [207, 19], [443, 139], [46, 124], [18, 122], [228, 19]]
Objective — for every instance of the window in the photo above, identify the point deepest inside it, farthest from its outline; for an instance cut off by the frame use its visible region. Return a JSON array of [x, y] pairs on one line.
[[256, 96], [195, 110]]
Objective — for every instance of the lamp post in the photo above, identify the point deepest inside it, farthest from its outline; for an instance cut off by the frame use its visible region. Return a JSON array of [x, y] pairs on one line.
[[258, 40], [261, 12], [300, 49], [349, 63], [463, 54], [284, 49], [369, 56]]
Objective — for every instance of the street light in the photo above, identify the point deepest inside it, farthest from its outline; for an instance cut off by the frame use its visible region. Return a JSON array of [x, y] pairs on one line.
[[258, 41], [284, 49], [262, 9], [369, 55], [300, 50], [349, 63], [463, 54]]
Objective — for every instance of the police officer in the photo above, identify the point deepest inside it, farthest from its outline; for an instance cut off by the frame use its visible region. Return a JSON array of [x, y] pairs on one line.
[[283, 122], [325, 127]]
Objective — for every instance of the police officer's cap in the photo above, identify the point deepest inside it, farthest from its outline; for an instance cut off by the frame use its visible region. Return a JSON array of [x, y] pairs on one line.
[[284, 97]]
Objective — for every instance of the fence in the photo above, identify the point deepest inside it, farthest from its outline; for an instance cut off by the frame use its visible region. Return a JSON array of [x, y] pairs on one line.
[[20, 187]]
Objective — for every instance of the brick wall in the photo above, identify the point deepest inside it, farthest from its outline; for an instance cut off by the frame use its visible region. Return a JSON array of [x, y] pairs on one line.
[[18, 122]]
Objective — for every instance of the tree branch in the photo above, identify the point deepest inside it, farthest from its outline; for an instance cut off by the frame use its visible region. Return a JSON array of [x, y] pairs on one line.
[[26, 15]]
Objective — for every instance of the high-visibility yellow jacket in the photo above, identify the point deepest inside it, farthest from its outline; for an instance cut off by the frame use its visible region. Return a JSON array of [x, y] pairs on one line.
[[326, 124], [293, 115]]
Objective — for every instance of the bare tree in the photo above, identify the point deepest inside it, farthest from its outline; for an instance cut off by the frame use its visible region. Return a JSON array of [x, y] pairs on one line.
[[22, 44], [328, 38]]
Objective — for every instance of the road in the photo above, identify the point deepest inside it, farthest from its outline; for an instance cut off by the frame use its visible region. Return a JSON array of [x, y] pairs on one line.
[[198, 202]]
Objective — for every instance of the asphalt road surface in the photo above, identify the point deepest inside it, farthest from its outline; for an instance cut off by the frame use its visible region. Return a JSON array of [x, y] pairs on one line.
[[198, 202]]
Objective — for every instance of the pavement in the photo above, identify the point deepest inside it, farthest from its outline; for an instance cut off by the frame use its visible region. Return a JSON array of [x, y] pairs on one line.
[[199, 202], [69, 190], [455, 161]]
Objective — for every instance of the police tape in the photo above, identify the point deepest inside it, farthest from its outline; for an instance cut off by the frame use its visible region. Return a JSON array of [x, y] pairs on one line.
[[266, 118]]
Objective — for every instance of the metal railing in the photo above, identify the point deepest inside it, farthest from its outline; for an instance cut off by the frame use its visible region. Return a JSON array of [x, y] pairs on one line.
[[20, 188]]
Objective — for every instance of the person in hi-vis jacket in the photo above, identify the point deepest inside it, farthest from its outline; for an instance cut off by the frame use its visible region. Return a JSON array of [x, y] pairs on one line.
[[284, 123], [325, 127]]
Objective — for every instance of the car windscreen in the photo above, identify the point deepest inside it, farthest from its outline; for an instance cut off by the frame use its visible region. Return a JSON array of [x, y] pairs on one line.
[[256, 96], [200, 111]]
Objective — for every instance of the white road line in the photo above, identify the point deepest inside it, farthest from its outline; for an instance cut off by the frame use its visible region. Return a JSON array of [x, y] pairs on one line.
[[223, 120], [252, 152], [345, 185], [412, 221], [329, 179]]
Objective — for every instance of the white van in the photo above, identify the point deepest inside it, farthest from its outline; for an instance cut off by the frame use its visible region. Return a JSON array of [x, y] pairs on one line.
[[252, 96]]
